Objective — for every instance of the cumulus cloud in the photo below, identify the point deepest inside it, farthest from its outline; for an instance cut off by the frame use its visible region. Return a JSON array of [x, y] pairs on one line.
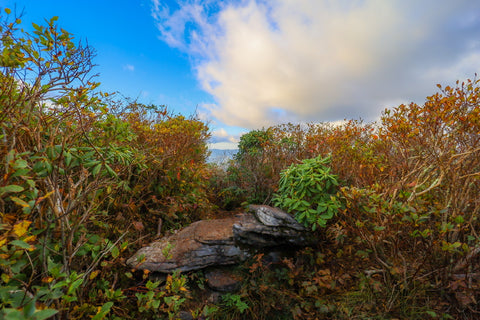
[[271, 61], [222, 136]]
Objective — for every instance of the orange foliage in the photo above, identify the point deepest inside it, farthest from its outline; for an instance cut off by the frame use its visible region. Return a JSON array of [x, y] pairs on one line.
[[411, 185]]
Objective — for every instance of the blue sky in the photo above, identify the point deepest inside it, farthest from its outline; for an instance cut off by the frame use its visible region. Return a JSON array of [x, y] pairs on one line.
[[248, 64], [131, 58]]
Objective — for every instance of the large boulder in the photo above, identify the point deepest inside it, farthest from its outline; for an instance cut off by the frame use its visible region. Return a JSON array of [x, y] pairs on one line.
[[201, 244], [220, 242]]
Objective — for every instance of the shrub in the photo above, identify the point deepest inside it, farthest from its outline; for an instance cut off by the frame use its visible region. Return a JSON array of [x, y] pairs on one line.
[[308, 190], [81, 171]]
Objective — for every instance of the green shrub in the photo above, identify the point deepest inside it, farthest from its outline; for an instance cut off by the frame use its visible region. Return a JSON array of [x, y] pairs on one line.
[[308, 190]]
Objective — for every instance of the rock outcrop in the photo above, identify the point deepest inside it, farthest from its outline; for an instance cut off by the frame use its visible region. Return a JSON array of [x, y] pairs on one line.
[[269, 227], [221, 242], [204, 243]]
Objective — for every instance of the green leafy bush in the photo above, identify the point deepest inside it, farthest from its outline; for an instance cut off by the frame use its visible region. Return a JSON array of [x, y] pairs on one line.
[[308, 191]]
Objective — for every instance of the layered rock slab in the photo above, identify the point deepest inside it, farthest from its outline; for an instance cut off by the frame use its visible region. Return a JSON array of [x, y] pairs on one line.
[[202, 244], [220, 242]]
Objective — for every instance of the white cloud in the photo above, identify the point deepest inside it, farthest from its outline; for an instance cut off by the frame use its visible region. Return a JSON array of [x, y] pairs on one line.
[[222, 136], [266, 62], [129, 67]]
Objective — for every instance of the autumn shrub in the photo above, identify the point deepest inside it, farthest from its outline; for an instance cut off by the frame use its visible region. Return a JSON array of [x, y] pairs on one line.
[[82, 173], [172, 183], [436, 151], [224, 191], [55, 176], [410, 190], [252, 171], [262, 155], [358, 156], [417, 225]]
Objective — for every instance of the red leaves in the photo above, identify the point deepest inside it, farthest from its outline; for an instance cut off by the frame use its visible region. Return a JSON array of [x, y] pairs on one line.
[[138, 225]]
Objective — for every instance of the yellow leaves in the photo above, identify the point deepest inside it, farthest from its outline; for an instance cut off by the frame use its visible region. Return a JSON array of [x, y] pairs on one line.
[[20, 202], [94, 274], [5, 278], [30, 238], [145, 273], [47, 279], [21, 228], [21, 237]]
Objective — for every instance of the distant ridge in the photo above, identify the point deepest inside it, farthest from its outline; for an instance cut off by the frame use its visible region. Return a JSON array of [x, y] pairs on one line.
[[221, 156]]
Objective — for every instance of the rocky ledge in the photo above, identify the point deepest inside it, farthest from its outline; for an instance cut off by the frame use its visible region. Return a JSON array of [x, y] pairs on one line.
[[221, 241]]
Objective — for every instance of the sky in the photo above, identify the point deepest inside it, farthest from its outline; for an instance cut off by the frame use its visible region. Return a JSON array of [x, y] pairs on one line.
[[242, 65]]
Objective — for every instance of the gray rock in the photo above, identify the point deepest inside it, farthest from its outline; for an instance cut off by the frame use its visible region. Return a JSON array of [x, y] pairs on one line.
[[253, 233], [184, 315], [202, 244], [222, 280], [274, 217], [221, 242]]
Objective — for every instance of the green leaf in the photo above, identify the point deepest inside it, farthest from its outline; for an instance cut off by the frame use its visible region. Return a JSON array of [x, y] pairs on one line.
[[104, 310], [52, 153], [110, 171], [74, 285], [21, 173], [20, 164], [39, 166], [11, 314], [91, 163], [20, 244], [432, 314], [115, 252], [96, 169], [327, 215], [44, 314], [11, 188], [8, 11], [456, 244], [29, 309], [68, 159]]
